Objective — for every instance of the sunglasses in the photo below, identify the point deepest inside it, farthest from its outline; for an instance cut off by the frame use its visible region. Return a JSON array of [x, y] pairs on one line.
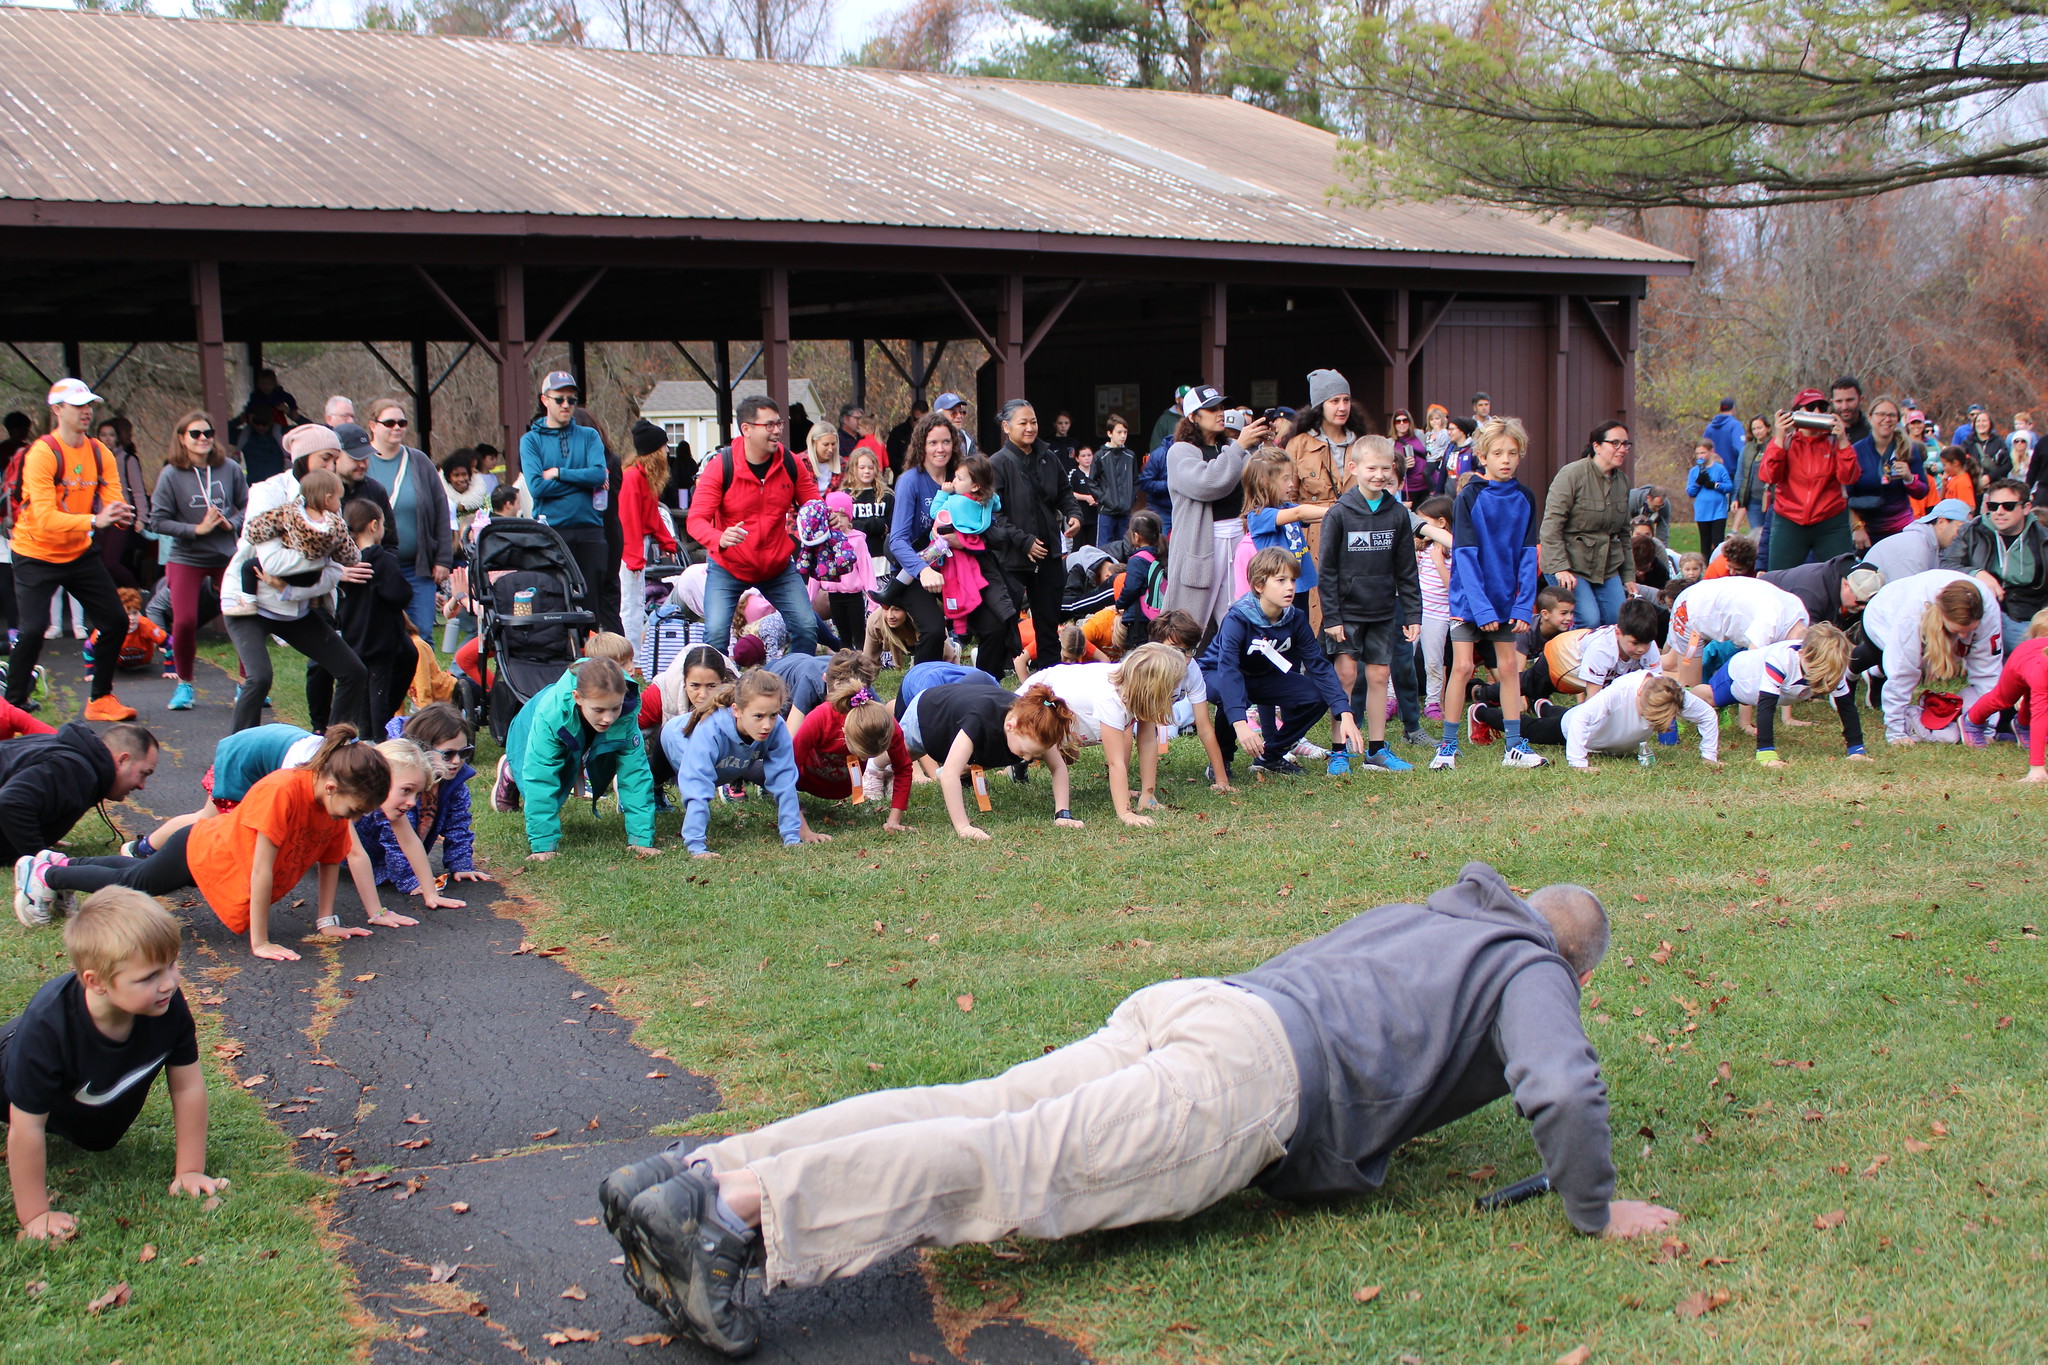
[[566, 399], [393, 423], [2000, 506], [1816, 407], [200, 433], [463, 752]]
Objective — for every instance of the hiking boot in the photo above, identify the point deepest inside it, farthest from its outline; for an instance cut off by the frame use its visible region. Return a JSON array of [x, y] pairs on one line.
[[616, 1193], [693, 1269], [1522, 756], [108, 708], [1446, 758], [181, 696], [504, 791], [36, 902], [1387, 761]]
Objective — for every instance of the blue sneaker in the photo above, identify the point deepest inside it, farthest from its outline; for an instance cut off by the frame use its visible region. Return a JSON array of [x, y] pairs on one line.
[[181, 697], [1340, 763], [1446, 758], [1387, 761]]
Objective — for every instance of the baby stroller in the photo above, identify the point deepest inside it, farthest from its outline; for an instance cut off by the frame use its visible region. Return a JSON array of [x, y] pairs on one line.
[[520, 653]]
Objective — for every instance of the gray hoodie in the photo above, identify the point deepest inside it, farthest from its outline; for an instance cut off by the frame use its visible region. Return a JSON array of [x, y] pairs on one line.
[[1408, 1017]]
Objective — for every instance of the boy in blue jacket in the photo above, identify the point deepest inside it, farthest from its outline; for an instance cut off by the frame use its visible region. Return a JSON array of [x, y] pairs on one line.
[[1493, 584], [1265, 654]]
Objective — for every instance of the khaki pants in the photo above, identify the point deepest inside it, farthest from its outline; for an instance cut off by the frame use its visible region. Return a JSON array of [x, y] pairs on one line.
[[1185, 1095]]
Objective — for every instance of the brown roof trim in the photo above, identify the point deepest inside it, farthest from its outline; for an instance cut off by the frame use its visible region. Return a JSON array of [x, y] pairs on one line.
[[74, 216]]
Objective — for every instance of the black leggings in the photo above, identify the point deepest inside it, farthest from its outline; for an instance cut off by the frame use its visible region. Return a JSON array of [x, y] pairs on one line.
[[36, 581], [313, 637], [161, 873], [1547, 728]]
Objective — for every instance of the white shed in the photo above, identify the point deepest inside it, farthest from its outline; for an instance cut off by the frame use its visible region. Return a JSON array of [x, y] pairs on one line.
[[687, 409]]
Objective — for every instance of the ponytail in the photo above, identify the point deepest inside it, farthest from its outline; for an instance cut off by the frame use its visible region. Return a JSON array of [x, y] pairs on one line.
[[1939, 657], [849, 674], [1041, 717], [358, 770]]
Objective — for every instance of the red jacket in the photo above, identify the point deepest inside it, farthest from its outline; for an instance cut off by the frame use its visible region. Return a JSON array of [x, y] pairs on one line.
[[763, 506], [640, 515], [1809, 478], [821, 755]]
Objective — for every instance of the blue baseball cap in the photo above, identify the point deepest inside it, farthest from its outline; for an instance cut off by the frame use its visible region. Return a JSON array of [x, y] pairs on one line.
[[1948, 509], [948, 401]]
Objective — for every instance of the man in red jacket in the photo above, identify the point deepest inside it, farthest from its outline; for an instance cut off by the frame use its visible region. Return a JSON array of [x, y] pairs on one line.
[[1808, 467], [740, 511]]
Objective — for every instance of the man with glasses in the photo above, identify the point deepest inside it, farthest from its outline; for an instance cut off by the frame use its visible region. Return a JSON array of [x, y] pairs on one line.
[[745, 497], [956, 409], [2008, 551], [565, 471], [1808, 461], [1584, 540]]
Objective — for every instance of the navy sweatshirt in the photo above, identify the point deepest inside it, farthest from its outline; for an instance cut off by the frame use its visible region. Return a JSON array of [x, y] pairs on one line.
[[1238, 661]]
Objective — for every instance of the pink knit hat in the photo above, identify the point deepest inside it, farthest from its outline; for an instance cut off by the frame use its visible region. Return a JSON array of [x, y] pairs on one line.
[[309, 438]]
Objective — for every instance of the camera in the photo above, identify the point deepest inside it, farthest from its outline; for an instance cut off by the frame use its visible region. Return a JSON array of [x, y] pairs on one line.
[[1813, 421], [1272, 415]]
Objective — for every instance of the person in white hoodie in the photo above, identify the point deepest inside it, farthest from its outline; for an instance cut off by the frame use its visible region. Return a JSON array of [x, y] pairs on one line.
[[1930, 627], [1746, 612], [1632, 710], [289, 613]]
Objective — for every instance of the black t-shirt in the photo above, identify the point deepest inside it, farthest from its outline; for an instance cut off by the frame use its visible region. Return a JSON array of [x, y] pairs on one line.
[[1231, 504], [973, 709], [56, 1062], [872, 510]]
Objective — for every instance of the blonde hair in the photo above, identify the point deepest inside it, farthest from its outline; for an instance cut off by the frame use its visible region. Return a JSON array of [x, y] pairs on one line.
[[119, 925], [2039, 625], [1372, 445], [820, 433], [1495, 429], [410, 753], [1073, 643], [869, 729], [1661, 701], [1146, 680], [1939, 657], [1824, 658], [321, 486], [1265, 477], [846, 673], [605, 644]]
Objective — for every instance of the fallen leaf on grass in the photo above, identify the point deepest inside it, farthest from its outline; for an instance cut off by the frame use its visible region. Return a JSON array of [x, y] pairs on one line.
[[2004, 1021], [212, 1203], [546, 1134], [148, 1254], [1864, 1321], [1914, 1146], [575, 1291], [663, 1339], [1366, 1294], [269, 1255], [1700, 1302], [113, 1298], [1577, 1355], [965, 1002], [569, 1334], [441, 1272], [1938, 1128], [1877, 1163], [1813, 1116], [1639, 898], [1828, 1221], [36, 1287], [1663, 953], [1671, 1250], [1483, 1173], [1709, 1262]]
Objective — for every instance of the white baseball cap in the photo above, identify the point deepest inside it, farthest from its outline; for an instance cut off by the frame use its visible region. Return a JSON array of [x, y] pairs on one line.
[[72, 393]]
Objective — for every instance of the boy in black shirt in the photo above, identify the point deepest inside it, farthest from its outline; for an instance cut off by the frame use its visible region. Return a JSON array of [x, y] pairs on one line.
[[79, 1060], [372, 616]]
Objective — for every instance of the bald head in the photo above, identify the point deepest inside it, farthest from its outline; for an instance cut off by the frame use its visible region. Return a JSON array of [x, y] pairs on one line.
[[1578, 920]]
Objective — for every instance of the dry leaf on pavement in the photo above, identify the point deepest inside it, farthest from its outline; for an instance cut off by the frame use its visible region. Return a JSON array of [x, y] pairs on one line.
[[569, 1334], [575, 1291], [441, 1272]]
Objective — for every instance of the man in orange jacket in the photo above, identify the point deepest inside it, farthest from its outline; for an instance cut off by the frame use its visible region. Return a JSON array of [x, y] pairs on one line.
[[1807, 467], [70, 488]]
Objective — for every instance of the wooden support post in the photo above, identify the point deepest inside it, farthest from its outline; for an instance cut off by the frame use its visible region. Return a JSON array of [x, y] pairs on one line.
[[213, 351], [1560, 386], [1010, 339], [775, 333], [252, 351], [1215, 332], [920, 372], [857, 360], [515, 373], [422, 396], [721, 371], [579, 366], [1395, 390], [74, 367], [1629, 337]]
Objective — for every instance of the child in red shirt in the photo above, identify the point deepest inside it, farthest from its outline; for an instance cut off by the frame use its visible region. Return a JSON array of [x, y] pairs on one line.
[[2023, 683], [145, 637]]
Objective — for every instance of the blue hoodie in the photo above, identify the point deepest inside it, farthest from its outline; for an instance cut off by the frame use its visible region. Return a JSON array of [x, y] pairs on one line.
[[697, 756], [576, 454], [1708, 486], [1725, 431], [1493, 554], [1232, 663], [1152, 479]]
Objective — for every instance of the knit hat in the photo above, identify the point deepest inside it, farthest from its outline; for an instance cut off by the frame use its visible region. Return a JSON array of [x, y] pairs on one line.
[[1324, 385], [748, 652], [1864, 580], [648, 438], [309, 439]]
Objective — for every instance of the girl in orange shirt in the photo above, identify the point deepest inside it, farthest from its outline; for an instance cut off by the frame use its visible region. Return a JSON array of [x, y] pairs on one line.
[[245, 860]]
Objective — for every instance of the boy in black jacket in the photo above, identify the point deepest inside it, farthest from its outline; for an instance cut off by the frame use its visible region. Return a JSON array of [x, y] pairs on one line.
[[1265, 654], [1366, 568], [372, 616]]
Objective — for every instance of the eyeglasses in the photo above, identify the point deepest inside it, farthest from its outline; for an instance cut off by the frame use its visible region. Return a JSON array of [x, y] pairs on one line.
[[1618, 445], [2000, 506], [199, 433], [765, 426], [392, 423]]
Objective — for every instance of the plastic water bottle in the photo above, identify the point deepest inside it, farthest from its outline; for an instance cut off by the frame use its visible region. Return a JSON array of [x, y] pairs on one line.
[[1643, 754]]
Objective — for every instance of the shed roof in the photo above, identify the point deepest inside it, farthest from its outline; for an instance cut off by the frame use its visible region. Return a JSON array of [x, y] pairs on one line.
[[693, 397], [185, 112]]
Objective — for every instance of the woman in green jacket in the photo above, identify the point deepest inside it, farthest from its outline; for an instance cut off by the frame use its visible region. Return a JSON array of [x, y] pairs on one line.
[[579, 725]]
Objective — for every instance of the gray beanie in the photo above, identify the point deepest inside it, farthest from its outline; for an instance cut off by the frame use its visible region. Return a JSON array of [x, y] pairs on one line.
[[1326, 384]]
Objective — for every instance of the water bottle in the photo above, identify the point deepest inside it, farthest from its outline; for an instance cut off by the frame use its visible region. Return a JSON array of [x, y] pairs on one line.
[[1643, 755], [522, 602]]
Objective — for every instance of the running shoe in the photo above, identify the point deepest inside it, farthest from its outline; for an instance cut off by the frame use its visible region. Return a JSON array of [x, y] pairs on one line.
[[504, 791], [36, 902], [1280, 767], [1418, 737], [108, 708], [181, 696], [1446, 758], [1522, 756], [1479, 730], [1433, 711], [1309, 753], [1386, 760]]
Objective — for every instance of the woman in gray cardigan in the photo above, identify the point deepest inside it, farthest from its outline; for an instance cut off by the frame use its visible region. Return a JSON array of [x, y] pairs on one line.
[[199, 501], [1205, 475]]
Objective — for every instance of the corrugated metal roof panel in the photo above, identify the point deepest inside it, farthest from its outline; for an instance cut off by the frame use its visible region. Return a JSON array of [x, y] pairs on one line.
[[207, 112]]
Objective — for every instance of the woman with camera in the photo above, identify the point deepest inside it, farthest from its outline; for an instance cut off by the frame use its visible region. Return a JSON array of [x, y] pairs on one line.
[[1893, 472], [1205, 474], [1808, 460]]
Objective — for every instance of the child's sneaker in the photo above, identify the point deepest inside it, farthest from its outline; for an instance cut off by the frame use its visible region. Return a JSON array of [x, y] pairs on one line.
[[733, 791], [874, 779], [1309, 753], [504, 791], [1433, 711], [1479, 730], [1446, 758], [1386, 760], [1522, 756], [181, 695], [36, 902], [1280, 767], [1340, 764], [1973, 735], [1418, 737], [1393, 704]]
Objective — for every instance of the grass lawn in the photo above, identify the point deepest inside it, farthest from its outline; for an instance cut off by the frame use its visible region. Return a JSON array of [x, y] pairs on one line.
[[1823, 997], [250, 1280]]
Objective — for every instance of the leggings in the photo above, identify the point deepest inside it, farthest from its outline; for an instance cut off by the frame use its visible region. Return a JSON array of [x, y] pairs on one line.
[[311, 636], [186, 582], [849, 617], [1546, 728], [36, 581], [161, 873]]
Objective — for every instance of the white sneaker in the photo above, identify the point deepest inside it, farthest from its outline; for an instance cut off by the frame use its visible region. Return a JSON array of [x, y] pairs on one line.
[[25, 908], [1517, 757], [1445, 758], [874, 780], [1311, 753], [128, 850], [36, 902]]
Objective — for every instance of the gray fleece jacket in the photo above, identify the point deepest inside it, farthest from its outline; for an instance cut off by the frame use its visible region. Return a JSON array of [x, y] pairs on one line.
[[1408, 1017]]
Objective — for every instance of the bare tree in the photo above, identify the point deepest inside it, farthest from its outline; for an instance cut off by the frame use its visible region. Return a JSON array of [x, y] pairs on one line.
[[925, 35]]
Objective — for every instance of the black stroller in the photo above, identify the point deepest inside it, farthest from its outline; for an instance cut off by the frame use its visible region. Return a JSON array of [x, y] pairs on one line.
[[523, 646]]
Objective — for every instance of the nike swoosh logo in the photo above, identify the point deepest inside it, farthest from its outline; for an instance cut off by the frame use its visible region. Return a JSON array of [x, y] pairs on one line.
[[85, 1093]]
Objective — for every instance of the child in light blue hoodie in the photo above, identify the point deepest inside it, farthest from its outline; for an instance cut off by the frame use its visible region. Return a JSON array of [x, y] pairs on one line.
[[736, 735]]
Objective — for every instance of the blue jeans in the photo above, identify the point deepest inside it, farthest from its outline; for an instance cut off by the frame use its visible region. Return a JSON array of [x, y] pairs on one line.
[[421, 608], [785, 592], [1109, 527], [1597, 604]]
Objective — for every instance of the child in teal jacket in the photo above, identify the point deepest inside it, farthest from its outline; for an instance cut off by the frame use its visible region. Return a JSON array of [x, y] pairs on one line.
[[572, 728]]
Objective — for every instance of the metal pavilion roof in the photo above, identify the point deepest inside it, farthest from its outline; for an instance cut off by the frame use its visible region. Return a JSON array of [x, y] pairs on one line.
[[120, 110]]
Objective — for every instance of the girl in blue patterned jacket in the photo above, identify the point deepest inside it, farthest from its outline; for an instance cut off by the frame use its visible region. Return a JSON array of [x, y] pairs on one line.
[[443, 811]]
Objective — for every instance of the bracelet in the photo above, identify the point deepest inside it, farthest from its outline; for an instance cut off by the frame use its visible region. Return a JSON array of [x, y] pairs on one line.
[[1062, 814], [327, 921]]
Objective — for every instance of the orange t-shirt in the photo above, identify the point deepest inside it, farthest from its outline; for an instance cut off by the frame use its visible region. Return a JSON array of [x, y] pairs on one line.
[[221, 848]]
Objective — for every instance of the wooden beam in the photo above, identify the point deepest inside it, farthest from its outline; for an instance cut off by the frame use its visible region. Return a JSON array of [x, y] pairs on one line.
[[857, 363], [579, 366], [515, 370], [213, 351], [460, 356], [1560, 384], [995, 351], [119, 361], [1394, 392], [775, 332], [1429, 328], [1365, 326], [1606, 337], [74, 361], [22, 356], [468, 323], [691, 360], [562, 316], [1215, 332], [721, 365], [1046, 324], [1010, 382], [897, 365], [396, 377], [1629, 319], [422, 396]]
